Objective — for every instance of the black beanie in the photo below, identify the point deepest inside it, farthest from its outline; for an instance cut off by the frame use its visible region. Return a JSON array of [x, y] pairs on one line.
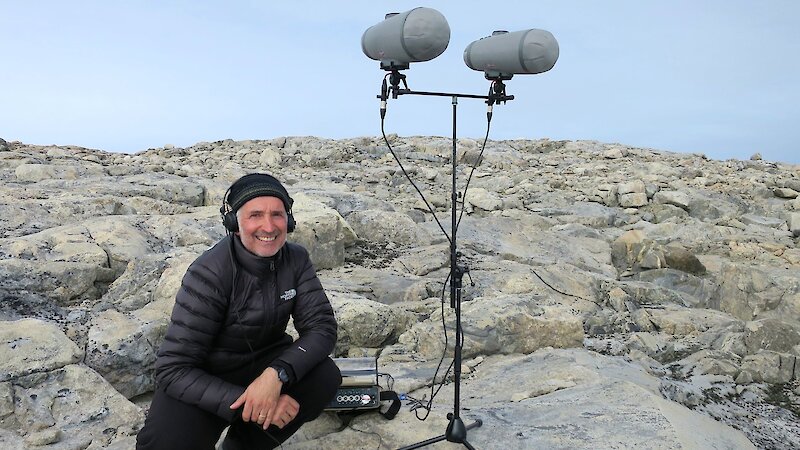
[[257, 185]]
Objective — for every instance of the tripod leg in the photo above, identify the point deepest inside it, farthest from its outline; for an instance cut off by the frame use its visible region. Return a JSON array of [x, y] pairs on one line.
[[424, 443], [476, 424], [462, 438]]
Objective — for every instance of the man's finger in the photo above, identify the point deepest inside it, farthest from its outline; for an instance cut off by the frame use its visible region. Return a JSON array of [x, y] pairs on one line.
[[239, 402], [269, 418], [280, 424], [247, 412]]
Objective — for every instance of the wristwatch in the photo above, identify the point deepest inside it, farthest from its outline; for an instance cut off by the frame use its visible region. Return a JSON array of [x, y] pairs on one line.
[[282, 375]]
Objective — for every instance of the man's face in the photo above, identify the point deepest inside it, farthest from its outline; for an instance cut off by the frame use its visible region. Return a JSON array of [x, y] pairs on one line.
[[262, 225]]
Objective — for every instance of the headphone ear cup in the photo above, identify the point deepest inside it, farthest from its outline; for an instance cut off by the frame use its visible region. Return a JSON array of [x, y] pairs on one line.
[[229, 222], [290, 223]]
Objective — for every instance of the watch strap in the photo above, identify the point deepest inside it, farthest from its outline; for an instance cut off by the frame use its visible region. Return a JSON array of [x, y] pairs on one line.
[[283, 375]]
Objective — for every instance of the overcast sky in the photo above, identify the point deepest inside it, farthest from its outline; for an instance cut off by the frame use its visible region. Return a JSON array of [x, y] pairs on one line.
[[720, 78]]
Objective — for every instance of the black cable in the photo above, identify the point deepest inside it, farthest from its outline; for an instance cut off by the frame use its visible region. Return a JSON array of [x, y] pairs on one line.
[[474, 166], [561, 292], [417, 404], [464, 202], [380, 438], [422, 196], [390, 382]]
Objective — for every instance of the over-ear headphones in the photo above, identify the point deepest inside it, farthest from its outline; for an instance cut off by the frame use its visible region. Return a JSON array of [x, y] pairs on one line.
[[228, 215], [249, 187]]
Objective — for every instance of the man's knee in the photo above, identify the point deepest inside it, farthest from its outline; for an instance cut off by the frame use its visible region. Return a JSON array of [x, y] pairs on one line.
[[329, 372], [328, 378], [172, 424], [315, 390]]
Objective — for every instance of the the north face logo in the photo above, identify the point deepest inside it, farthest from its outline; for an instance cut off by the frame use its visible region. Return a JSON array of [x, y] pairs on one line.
[[288, 295]]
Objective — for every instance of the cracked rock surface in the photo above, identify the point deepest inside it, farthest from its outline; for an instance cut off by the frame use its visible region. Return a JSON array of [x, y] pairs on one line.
[[616, 297]]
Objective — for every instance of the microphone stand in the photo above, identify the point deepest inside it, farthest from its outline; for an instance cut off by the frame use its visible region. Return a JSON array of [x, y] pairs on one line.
[[456, 430]]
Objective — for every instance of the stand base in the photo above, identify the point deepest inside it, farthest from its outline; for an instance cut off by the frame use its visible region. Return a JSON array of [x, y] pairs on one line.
[[456, 432]]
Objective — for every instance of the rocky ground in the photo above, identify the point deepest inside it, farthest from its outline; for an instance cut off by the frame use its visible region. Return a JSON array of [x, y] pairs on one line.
[[617, 297]]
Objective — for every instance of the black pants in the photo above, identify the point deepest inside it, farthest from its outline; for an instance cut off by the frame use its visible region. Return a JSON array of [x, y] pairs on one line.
[[172, 424]]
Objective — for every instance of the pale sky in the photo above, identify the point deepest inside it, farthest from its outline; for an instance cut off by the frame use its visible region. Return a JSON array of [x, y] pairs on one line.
[[716, 77]]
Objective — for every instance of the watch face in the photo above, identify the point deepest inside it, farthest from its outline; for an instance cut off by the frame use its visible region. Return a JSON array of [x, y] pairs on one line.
[[282, 375]]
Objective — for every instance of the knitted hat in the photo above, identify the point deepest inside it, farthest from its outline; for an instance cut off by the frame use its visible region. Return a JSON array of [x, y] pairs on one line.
[[257, 185]]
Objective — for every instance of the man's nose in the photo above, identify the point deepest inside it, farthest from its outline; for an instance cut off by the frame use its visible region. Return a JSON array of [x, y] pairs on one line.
[[267, 224]]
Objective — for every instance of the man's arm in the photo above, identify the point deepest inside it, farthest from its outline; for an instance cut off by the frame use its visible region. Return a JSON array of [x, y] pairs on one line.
[[314, 321], [198, 315]]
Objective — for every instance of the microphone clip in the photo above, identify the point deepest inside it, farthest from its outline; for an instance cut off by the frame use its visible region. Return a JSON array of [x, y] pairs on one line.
[[497, 93], [393, 88], [395, 78]]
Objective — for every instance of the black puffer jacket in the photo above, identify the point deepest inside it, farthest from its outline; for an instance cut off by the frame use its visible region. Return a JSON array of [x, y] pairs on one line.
[[233, 307]]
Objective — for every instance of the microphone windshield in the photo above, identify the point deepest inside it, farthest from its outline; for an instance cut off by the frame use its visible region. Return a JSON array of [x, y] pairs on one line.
[[420, 34], [504, 54]]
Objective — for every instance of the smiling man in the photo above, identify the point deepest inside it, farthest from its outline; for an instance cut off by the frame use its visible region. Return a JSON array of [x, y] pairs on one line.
[[226, 358], [263, 225]]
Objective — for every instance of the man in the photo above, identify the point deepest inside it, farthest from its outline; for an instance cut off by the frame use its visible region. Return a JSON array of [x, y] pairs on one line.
[[226, 358]]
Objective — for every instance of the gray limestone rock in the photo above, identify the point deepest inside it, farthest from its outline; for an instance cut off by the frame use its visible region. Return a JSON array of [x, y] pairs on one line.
[[770, 367], [39, 172], [792, 183], [693, 291], [65, 282], [558, 399], [794, 223], [503, 324], [365, 323], [70, 407], [710, 208], [322, 231], [633, 200], [388, 228], [631, 187], [747, 292], [762, 221], [32, 346], [136, 286], [682, 259], [484, 199], [122, 348], [422, 261], [674, 198], [633, 252], [684, 322], [710, 362], [120, 239], [685, 267], [785, 193], [662, 212], [771, 334]]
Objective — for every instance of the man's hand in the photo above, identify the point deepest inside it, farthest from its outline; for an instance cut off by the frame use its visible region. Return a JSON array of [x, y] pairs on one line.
[[261, 399], [285, 411]]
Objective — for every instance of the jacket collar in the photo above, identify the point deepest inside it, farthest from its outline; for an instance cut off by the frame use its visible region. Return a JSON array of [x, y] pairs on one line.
[[257, 265]]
